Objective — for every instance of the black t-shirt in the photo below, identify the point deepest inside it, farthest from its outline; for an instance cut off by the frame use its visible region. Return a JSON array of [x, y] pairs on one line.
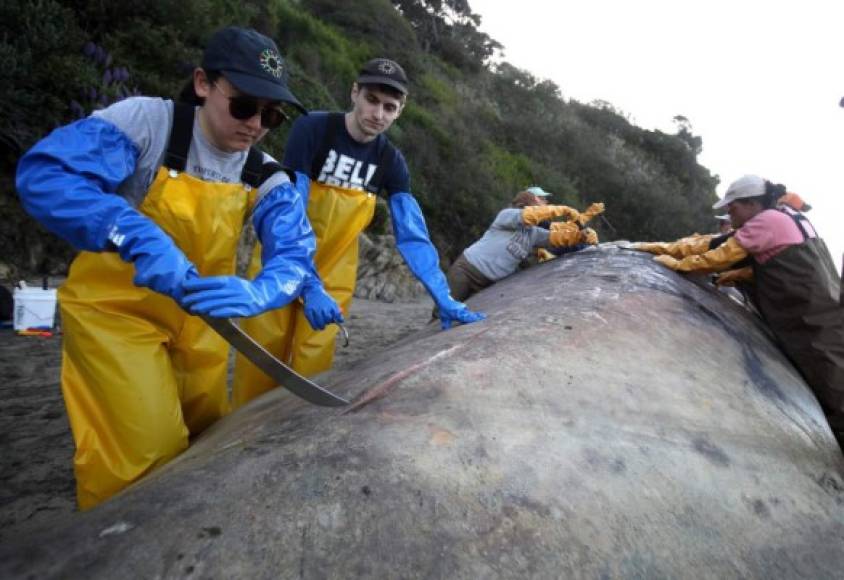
[[347, 163]]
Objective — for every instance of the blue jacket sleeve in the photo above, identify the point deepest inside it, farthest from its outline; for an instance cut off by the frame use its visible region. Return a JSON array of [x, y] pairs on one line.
[[68, 180]]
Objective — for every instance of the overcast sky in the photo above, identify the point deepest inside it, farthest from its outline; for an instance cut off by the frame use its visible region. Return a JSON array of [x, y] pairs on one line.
[[759, 81]]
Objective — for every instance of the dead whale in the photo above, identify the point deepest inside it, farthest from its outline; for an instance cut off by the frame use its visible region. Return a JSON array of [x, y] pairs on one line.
[[610, 419]]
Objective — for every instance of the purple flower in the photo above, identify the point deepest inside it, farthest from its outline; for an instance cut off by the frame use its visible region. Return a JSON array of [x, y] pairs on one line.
[[99, 55], [89, 49], [76, 109]]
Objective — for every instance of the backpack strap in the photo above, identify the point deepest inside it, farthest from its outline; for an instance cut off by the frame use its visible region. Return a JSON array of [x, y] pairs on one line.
[[333, 125], [178, 147], [800, 220], [271, 168], [181, 134], [253, 168]]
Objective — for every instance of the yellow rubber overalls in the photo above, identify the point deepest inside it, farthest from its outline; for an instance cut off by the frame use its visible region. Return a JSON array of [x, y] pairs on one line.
[[338, 215], [139, 375]]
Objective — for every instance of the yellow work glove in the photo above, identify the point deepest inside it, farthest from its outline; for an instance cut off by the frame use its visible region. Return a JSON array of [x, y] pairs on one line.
[[589, 236], [544, 255], [717, 260], [694, 244], [590, 212], [534, 214], [732, 277], [564, 234]]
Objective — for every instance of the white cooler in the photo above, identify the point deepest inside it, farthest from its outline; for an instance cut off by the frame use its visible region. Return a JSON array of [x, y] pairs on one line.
[[34, 308]]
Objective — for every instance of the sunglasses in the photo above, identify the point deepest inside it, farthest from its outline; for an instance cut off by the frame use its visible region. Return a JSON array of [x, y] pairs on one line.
[[243, 107]]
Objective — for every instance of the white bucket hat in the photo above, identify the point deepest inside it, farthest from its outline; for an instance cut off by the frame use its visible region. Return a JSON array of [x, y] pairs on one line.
[[742, 188]]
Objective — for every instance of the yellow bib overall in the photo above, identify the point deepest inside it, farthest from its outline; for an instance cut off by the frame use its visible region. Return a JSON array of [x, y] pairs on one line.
[[139, 375], [337, 215]]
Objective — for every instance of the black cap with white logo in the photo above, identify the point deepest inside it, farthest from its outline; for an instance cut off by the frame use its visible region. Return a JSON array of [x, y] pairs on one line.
[[383, 71], [251, 62]]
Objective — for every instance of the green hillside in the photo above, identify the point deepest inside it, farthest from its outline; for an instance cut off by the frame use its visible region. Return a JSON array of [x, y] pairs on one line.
[[474, 131]]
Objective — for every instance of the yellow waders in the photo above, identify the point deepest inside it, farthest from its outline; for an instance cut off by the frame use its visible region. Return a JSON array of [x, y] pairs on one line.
[[338, 216], [140, 375]]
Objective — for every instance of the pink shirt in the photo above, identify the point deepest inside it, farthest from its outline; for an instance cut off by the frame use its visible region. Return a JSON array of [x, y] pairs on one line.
[[769, 233]]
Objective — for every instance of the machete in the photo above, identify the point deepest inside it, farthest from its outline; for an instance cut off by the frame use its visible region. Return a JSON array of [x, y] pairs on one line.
[[277, 370]]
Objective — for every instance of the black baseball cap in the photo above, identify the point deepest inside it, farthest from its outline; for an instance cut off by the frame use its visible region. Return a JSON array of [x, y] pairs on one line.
[[251, 62], [383, 71]]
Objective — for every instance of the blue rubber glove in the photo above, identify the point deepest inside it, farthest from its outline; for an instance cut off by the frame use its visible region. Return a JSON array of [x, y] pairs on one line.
[[320, 308], [421, 257], [232, 296], [287, 247], [159, 263]]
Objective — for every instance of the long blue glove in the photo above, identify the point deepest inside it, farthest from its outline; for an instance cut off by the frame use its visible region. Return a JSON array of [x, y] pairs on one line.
[[67, 182], [227, 296], [288, 245], [421, 257], [320, 308], [159, 263]]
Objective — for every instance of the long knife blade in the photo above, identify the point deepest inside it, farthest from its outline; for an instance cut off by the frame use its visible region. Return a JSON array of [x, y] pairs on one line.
[[277, 370]]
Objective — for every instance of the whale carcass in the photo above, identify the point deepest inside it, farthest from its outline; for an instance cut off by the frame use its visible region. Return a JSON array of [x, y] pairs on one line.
[[610, 419]]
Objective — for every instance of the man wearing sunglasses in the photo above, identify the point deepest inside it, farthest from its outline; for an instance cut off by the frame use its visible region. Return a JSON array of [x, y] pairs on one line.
[[155, 194], [342, 161]]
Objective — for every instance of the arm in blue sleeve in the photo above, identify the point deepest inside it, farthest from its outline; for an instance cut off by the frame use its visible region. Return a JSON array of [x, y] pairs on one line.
[[302, 186], [319, 307], [68, 179], [287, 240], [421, 257], [287, 248], [67, 182]]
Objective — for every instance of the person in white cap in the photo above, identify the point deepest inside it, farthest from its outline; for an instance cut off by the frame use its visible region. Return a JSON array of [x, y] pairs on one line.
[[513, 235], [796, 287]]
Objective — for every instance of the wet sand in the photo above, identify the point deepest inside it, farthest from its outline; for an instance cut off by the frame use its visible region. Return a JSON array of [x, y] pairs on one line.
[[36, 448]]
